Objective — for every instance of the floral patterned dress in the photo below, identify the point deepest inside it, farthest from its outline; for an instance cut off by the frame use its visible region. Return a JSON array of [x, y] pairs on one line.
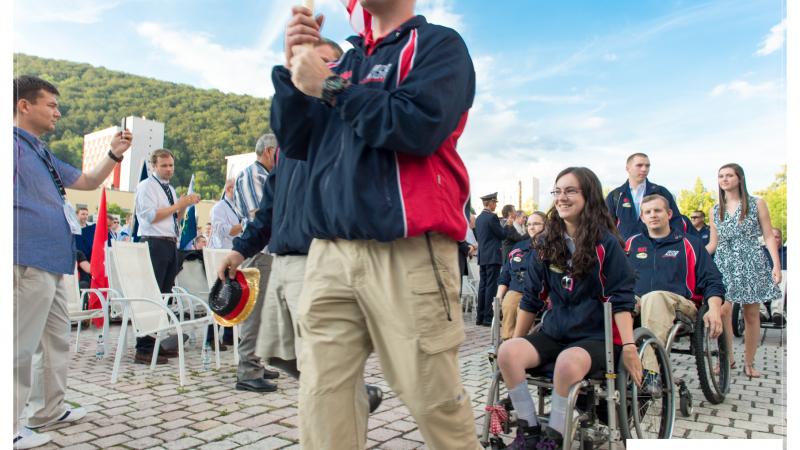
[[744, 266]]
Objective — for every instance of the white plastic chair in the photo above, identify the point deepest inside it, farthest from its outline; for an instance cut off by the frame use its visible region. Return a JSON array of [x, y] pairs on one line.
[[77, 314], [469, 287], [212, 259], [145, 307]]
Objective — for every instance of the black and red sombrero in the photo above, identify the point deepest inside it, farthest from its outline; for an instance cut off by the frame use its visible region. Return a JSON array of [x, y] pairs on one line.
[[233, 300]]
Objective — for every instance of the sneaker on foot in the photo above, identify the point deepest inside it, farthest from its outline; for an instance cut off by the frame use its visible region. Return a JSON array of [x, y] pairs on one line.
[[527, 436], [69, 416], [651, 384], [778, 319], [27, 438], [550, 440]]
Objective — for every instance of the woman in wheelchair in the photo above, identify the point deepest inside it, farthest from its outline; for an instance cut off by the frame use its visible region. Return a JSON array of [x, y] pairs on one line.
[[580, 265]]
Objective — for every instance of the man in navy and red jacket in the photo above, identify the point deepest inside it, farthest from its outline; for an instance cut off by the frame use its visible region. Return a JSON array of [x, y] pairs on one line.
[[674, 272], [624, 202], [386, 203]]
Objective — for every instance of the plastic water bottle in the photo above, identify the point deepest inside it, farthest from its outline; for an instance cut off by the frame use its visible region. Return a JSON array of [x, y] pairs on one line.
[[206, 356], [100, 351]]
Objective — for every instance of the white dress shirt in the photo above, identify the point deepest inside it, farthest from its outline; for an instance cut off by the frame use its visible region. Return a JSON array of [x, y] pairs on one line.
[[223, 218], [150, 196]]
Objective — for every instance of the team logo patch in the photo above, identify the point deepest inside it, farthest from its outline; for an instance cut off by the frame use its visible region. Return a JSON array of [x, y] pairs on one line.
[[377, 74], [641, 249], [626, 205], [641, 255], [556, 269], [671, 254], [517, 259]]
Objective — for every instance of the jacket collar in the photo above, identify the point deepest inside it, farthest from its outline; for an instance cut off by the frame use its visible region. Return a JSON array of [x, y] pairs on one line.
[[369, 43]]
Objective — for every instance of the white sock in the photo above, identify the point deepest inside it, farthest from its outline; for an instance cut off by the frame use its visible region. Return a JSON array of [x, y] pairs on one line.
[[558, 412], [523, 403]]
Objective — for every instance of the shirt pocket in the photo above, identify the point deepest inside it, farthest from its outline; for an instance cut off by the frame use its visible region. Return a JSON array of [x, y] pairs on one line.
[[435, 333]]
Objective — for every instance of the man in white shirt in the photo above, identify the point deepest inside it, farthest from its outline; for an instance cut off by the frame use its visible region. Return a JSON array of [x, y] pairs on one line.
[[157, 211], [225, 220]]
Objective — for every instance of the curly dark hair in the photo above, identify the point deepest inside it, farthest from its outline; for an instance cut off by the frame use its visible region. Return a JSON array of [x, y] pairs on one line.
[[595, 221]]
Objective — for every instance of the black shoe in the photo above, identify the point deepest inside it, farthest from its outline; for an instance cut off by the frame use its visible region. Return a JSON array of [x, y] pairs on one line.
[[527, 436], [290, 366], [375, 395], [257, 385], [145, 358], [551, 440], [271, 374], [778, 319], [486, 324]]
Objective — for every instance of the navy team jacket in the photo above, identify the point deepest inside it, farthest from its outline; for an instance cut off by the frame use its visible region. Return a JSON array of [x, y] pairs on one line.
[[576, 312], [279, 214], [382, 162], [513, 272], [677, 263], [620, 205]]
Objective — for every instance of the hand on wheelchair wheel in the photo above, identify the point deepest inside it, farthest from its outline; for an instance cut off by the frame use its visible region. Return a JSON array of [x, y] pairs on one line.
[[713, 324], [630, 357]]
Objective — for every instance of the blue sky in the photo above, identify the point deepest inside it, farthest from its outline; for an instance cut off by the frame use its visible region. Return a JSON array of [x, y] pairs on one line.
[[693, 84]]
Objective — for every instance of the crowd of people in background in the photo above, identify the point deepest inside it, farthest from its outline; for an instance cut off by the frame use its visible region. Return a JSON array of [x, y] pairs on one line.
[[351, 265]]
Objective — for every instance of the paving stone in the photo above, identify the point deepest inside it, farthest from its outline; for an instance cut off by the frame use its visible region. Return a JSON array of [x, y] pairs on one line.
[[218, 432], [269, 443], [113, 429], [143, 432], [145, 442], [184, 443]]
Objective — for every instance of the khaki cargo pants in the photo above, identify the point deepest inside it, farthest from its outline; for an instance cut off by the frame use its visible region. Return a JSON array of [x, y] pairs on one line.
[[360, 296], [658, 314]]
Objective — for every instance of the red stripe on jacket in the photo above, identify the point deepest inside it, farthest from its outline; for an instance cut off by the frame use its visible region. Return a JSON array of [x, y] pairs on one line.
[[601, 256], [691, 271], [406, 60], [434, 189]]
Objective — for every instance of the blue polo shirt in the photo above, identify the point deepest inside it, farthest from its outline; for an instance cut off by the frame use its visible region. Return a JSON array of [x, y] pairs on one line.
[[42, 237]]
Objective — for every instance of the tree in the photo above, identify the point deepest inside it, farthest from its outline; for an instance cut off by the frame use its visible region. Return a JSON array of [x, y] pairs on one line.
[[775, 198], [697, 199]]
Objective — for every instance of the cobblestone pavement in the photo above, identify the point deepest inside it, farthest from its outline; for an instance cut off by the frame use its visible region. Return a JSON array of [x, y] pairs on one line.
[[147, 409]]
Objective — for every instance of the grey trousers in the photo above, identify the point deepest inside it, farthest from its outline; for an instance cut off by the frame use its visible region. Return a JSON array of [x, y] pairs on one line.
[[41, 327], [250, 367], [278, 336]]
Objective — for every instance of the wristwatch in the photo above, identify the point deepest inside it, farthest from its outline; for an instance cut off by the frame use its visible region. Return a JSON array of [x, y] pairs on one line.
[[115, 157], [333, 86]]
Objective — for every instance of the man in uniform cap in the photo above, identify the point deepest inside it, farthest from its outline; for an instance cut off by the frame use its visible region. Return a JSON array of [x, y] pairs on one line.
[[490, 235]]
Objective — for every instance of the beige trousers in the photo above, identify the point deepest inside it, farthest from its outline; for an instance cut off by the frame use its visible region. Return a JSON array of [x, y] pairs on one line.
[[41, 327], [510, 306], [658, 314], [277, 336], [360, 296]]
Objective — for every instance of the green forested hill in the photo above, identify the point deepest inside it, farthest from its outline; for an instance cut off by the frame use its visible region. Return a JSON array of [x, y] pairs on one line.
[[202, 126]]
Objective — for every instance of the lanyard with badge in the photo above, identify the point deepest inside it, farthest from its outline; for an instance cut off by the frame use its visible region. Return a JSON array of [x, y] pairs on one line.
[[69, 210]]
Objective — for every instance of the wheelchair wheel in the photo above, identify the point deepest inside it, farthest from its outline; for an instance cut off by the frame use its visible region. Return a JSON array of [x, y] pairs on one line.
[[711, 353], [737, 318], [642, 416]]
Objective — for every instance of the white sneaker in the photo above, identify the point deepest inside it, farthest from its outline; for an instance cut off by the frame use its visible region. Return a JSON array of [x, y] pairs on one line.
[[26, 438], [70, 415]]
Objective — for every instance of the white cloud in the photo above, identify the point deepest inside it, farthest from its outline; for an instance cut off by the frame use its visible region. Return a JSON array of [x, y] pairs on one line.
[[744, 89], [441, 12], [75, 11], [774, 40], [237, 70]]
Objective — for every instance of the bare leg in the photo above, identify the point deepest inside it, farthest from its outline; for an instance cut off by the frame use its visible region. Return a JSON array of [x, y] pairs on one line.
[[572, 366], [726, 315], [513, 357], [752, 328]]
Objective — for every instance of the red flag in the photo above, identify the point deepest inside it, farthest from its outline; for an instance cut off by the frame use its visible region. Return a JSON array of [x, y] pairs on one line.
[[98, 264], [360, 19]]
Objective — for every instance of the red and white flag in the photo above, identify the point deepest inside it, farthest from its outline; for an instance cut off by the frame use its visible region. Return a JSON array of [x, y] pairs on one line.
[[360, 20], [98, 264]]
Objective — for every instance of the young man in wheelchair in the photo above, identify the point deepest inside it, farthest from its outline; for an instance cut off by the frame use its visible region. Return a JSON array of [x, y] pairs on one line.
[[580, 265], [674, 272]]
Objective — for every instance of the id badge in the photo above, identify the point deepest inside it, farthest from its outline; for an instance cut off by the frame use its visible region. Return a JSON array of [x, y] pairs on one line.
[[72, 218]]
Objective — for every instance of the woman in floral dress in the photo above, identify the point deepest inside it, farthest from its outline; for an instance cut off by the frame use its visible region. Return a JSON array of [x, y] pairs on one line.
[[738, 221]]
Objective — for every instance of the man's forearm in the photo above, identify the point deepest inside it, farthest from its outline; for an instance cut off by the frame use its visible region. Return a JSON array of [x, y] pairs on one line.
[[165, 212]]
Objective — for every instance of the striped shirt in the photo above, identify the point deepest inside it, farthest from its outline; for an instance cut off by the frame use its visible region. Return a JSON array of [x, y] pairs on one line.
[[248, 190]]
